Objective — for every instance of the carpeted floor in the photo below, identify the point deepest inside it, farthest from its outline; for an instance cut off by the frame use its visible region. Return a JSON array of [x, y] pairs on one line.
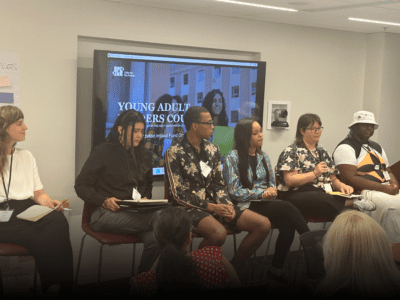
[[253, 279]]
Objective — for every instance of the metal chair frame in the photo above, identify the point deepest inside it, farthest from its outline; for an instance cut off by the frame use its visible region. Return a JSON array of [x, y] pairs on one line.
[[103, 238]]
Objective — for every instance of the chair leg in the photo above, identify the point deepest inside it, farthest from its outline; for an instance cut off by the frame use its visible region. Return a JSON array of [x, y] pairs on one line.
[[1, 284], [100, 264], [133, 260], [79, 260], [297, 264], [234, 244], [35, 280], [266, 250]]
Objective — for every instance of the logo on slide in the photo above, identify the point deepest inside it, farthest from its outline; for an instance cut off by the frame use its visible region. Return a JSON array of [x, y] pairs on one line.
[[118, 71]]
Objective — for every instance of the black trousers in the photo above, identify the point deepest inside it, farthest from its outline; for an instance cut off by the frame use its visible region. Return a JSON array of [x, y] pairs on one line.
[[315, 202], [46, 239], [287, 219]]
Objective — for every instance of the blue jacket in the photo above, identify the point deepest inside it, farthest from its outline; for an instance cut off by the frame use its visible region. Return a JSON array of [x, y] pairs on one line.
[[231, 176]]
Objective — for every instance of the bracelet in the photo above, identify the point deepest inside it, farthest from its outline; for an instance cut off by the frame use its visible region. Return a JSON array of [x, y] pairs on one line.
[[315, 174]]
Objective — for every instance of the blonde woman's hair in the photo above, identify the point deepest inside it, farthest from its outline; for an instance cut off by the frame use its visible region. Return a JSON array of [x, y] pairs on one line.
[[8, 115], [358, 258]]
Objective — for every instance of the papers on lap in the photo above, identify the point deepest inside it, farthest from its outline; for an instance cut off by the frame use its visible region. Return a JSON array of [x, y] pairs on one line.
[[34, 213], [345, 195], [146, 201]]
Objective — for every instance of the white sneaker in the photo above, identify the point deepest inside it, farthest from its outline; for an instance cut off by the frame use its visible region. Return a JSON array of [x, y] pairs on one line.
[[364, 204]]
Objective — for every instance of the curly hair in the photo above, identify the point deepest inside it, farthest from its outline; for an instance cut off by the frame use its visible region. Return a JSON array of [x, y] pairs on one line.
[[208, 102]]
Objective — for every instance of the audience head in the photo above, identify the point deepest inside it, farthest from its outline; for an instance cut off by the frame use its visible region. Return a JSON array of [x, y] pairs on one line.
[[358, 257], [128, 129], [198, 120], [363, 126], [173, 226], [214, 101], [306, 121], [175, 270]]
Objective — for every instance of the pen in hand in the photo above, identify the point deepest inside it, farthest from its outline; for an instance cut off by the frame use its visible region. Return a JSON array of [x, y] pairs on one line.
[[60, 205]]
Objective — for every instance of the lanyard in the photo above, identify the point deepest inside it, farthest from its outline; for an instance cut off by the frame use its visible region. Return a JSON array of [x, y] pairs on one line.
[[9, 182]]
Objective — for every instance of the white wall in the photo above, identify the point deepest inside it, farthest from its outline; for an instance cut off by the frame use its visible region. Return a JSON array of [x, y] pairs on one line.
[[320, 71]]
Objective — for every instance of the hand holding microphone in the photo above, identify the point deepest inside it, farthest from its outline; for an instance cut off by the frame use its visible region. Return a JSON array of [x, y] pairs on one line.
[[321, 167]]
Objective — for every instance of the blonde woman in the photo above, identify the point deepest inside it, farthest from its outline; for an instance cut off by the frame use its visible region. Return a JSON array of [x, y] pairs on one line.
[[46, 239], [358, 258]]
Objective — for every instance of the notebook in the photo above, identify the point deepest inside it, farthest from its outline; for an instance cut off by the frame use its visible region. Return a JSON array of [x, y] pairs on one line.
[[35, 212]]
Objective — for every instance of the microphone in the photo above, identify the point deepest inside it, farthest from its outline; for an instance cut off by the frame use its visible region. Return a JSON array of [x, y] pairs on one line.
[[320, 152]]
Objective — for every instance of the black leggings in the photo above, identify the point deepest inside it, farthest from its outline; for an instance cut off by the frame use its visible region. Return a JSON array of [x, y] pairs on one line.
[[288, 219], [46, 239]]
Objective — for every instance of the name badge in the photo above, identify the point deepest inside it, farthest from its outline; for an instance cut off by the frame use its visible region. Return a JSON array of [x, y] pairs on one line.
[[328, 187], [386, 174], [205, 169], [136, 195], [5, 215]]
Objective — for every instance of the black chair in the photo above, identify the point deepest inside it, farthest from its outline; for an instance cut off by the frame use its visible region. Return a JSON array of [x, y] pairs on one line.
[[313, 268]]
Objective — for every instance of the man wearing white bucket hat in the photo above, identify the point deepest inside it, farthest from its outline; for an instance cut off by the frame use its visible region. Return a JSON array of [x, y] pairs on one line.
[[363, 164]]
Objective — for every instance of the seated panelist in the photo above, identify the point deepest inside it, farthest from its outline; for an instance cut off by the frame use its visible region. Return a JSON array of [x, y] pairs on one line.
[[47, 239], [306, 174], [363, 164], [250, 179], [194, 175], [121, 169]]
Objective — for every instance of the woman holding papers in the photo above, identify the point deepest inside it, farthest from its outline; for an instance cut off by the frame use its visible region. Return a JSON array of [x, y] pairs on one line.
[[251, 183], [306, 174], [47, 239], [121, 169]]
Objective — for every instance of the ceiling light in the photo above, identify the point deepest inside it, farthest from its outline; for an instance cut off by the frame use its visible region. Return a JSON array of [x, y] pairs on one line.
[[376, 22], [257, 5]]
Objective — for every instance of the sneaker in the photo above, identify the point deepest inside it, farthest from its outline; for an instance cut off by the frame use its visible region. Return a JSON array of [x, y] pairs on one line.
[[364, 205]]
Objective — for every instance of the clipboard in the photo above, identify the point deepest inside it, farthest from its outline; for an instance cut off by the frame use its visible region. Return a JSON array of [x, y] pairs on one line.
[[264, 200], [143, 205]]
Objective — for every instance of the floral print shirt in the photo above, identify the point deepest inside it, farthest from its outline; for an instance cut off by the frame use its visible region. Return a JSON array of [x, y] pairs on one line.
[[232, 178], [188, 185], [303, 160]]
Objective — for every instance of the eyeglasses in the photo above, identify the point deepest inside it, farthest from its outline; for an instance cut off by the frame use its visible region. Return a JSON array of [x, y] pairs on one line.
[[315, 129], [211, 123]]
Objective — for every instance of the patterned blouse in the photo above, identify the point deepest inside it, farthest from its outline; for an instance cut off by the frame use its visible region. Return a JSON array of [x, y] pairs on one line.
[[235, 189], [303, 160], [210, 269]]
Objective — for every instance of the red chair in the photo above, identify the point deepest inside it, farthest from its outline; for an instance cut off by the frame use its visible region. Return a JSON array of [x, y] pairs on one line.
[[16, 250], [104, 238]]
